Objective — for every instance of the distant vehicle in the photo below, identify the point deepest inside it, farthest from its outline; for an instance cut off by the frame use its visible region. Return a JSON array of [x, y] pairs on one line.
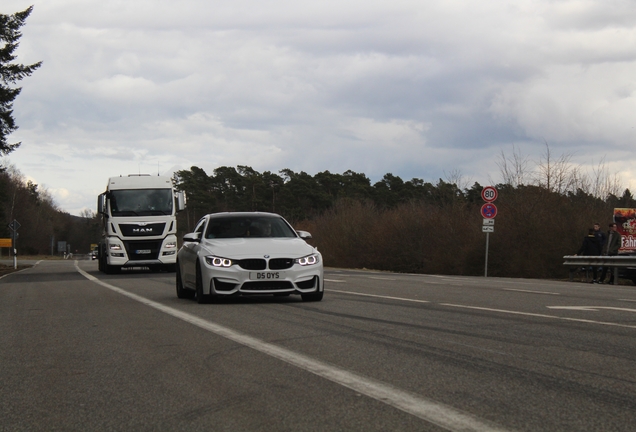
[[139, 223], [255, 253], [94, 254]]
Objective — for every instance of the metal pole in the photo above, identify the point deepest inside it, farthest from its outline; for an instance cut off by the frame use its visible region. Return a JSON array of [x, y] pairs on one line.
[[14, 250], [486, 265]]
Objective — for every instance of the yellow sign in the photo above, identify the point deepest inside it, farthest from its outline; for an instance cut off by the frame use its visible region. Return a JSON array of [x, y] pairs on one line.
[[5, 242]]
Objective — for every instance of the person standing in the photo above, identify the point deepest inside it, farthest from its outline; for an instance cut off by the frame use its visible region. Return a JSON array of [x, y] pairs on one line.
[[610, 248], [591, 247], [599, 234]]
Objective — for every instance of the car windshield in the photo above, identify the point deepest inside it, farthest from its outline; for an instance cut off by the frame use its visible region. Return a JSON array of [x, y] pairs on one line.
[[248, 226], [141, 202]]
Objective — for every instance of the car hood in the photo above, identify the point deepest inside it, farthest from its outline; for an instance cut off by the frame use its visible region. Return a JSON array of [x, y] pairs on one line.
[[241, 248]]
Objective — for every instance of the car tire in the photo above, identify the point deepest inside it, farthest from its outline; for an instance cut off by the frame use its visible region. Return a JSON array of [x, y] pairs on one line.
[[182, 293], [199, 296], [312, 297]]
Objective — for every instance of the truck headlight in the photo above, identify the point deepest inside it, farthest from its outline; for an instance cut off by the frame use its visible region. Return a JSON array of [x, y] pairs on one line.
[[114, 246], [171, 245]]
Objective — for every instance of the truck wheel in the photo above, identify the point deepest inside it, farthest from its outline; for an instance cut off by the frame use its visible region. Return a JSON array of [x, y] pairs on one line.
[[111, 269]]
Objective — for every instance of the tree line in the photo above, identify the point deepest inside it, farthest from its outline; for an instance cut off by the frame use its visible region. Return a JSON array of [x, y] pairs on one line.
[[42, 223], [544, 211], [392, 224]]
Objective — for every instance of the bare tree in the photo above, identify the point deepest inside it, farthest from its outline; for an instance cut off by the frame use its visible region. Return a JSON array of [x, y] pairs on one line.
[[556, 175], [514, 169]]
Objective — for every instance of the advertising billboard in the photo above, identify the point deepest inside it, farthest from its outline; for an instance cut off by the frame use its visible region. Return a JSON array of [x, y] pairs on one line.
[[625, 219]]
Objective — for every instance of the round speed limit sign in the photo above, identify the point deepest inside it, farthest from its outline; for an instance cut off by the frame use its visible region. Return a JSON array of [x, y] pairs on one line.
[[489, 194]]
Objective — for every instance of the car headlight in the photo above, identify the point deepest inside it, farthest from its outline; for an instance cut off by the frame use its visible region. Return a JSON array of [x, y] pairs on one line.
[[308, 260], [114, 246], [218, 261]]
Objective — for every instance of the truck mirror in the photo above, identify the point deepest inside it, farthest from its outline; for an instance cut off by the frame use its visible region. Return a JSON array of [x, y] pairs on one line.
[[101, 203], [181, 200]]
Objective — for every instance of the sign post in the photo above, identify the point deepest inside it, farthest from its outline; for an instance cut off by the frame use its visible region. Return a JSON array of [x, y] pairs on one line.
[[13, 226], [488, 211]]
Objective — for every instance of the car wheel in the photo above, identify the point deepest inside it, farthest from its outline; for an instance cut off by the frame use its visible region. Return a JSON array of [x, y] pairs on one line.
[[312, 297], [199, 296], [182, 292]]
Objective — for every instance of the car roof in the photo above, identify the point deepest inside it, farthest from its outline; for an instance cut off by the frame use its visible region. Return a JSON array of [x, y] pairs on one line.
[[242, 214]]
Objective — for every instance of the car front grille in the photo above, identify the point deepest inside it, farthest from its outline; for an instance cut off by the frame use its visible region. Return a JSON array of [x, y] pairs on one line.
[[252, 264], [267, 285], [280, 263]]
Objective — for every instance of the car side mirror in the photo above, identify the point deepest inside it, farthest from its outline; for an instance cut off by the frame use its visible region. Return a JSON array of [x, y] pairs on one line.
[[192, 237], [304, 235]]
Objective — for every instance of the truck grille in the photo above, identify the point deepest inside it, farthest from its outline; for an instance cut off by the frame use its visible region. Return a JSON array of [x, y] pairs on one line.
[[137, 230], [143, 250]]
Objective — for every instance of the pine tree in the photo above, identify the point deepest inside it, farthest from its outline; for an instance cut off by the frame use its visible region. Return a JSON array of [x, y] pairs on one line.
[[10, 73]]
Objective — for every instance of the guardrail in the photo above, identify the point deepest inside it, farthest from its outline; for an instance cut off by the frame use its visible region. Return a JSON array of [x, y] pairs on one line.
[[614, 261]]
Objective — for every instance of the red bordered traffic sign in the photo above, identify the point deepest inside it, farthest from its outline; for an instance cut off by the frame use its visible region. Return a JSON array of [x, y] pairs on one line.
[[489, 210], [489, 194]]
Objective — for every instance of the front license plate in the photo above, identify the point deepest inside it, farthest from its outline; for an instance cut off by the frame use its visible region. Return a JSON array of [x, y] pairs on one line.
[[142, 251], [267, 275]]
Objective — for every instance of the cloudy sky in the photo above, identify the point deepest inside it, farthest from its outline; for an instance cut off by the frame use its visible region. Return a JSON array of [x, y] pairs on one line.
[[416, 88]]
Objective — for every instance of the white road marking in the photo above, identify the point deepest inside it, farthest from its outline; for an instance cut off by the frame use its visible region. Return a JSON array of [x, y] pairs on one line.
[[428, 410], [538, 315], [529, 291], [628, 300], [335, 280], [382, 278], [591, 308], [20, 271], [379, 296]]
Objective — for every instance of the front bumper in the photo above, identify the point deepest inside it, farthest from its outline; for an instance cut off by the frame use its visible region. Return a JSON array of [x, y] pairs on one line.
[[135, 253], [235, 280]]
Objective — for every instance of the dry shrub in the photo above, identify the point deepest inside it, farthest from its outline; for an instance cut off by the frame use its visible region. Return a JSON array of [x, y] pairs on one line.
[[534, 229]]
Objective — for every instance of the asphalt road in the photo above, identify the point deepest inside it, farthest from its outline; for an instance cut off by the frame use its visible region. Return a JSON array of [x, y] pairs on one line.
[[80, 350]]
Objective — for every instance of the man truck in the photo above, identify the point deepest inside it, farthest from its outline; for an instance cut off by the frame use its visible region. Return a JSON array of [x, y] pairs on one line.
[[139, 223]]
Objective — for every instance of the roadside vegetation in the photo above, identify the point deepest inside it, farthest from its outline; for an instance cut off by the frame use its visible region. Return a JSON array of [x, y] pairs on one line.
[[544, 211]]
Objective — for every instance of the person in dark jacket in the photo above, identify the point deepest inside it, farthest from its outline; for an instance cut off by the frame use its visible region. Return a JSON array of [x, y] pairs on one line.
[[600, 235], [610, 248], [591, 247]]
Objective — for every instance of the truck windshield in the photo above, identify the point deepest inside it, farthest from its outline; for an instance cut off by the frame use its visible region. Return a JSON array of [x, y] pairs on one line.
[[141, 202]]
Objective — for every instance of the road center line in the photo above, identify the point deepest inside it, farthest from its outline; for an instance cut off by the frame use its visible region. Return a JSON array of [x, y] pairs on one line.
[[538, 315], [529, 291], [379, 296], [430, 411]]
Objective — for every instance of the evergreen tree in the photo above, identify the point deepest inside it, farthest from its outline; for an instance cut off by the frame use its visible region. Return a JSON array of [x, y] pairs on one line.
[[10, 73]]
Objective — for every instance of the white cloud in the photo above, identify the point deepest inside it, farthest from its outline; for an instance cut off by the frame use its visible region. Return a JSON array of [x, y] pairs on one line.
[[418, 89]]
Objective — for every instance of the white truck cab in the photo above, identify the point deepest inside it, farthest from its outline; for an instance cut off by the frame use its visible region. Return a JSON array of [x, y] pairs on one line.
[[139, 223]]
